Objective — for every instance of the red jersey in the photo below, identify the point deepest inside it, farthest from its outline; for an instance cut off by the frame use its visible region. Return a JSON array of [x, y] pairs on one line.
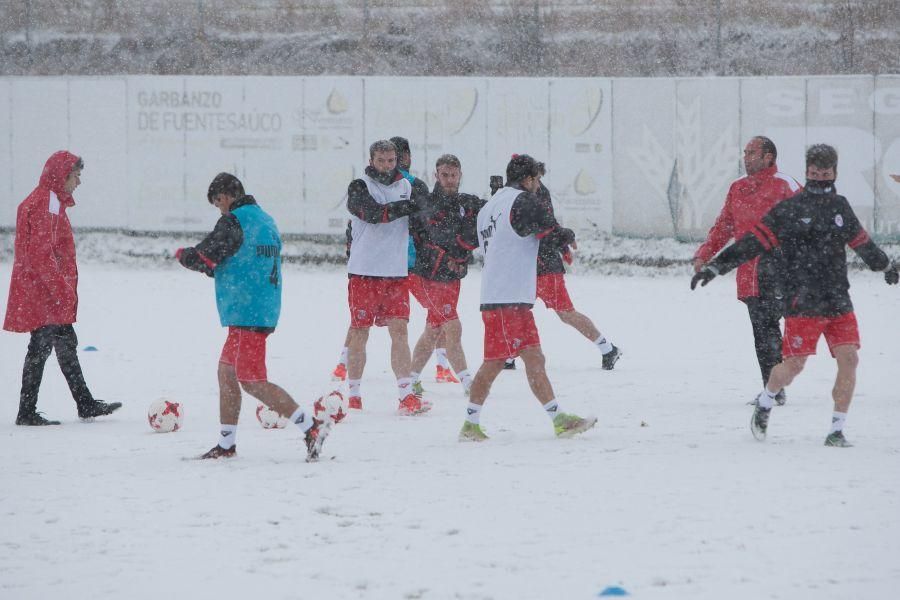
[[749, 198]]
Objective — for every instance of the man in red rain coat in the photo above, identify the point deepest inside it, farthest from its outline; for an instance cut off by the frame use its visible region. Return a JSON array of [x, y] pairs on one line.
[[43, 293]]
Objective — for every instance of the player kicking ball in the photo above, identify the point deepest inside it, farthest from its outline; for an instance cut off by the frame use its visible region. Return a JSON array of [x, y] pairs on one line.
[[510, 226], [243, 254]]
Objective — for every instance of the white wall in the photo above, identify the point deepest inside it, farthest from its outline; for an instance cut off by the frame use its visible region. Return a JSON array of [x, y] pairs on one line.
[[642, 157]]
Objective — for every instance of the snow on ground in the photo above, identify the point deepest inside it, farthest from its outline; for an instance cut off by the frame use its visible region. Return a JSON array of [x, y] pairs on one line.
[[669, 497]]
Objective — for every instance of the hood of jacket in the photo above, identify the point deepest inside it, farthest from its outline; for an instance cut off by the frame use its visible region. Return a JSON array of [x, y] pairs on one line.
[[56, 171]]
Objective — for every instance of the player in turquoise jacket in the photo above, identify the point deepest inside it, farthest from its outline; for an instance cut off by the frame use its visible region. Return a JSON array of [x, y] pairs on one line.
[[243, 254]]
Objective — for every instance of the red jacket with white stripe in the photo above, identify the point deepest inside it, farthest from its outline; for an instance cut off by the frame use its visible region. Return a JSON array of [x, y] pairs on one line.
[[749, 198], [44, 285]]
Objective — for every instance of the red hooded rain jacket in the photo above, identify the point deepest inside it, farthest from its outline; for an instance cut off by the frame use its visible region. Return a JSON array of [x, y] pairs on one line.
[[44, 286]]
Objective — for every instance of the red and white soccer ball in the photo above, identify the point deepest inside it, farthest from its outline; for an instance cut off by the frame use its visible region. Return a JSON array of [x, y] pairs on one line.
[[270, 419], [165, 416], [333, 406]]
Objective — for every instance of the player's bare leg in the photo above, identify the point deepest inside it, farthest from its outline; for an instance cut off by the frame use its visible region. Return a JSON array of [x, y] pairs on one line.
[[564, 424], [229, 411], [580, 322], [340, 371], [400, 356], [357, 338], [425, 347], [484, 379], [272, 395], [229, 395], [536, 373], [356, 352], [586, 327], [782, 375], [847, 358], [452, 334], [478, 393], [401, 361]]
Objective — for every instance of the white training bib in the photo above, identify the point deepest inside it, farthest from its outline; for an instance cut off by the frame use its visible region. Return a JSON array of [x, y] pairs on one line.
[[510, 260], [379, 249]]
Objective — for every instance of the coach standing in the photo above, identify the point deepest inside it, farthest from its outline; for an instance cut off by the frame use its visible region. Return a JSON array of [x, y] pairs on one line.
[[43, 292]]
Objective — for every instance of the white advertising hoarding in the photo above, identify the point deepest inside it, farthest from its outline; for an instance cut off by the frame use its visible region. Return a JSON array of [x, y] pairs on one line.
[[97, 117], [886, 105], [775, 107], [8, 199], [645, 183], [455, 123], [638, 157], [330, 146], [40, 127], [580, 154]]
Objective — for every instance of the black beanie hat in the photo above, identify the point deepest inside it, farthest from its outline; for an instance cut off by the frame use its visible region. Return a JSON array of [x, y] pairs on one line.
[[225, 183]]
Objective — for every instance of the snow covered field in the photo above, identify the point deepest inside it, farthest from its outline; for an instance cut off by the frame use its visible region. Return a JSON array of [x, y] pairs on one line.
[[669, 497]]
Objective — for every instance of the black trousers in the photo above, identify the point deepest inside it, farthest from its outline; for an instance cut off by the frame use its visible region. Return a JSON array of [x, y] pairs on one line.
[[45, 339], [764, 316]]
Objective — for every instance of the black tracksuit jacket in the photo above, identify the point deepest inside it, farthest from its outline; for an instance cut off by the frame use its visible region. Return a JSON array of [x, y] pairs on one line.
[[445, 233], [811, 231]]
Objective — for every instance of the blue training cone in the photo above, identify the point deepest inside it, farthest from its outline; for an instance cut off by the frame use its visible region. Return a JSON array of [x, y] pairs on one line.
[[90, 349], [613, 590]]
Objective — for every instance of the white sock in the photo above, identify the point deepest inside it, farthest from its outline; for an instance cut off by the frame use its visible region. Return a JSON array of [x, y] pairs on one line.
[[227, 436], [604, 345], [416, 377], [465, 378], [404, 387], [344, 355], [441, 356], [473, 413], [838, 419], [552, 409], [354, 384], [299, 419], [766, 399]]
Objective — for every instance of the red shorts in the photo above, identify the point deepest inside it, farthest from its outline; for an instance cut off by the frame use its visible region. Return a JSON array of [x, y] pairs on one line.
[[375, 300], [551, 288], [439, 298], [508, 331], [246, 351], [801, 334]]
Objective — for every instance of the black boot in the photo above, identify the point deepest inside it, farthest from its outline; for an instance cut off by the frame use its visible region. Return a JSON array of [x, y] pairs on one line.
[[97, 408], [611, 358], [33, 419]]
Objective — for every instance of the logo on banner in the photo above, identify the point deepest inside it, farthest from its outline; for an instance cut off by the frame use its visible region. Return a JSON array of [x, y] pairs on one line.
[[697, 175], [586, 111], [336, 103], [584, 184], [462, 103]]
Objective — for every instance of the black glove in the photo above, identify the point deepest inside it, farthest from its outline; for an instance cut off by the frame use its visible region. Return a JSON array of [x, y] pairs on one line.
[[191, 259], [891, 276], [704, 276]]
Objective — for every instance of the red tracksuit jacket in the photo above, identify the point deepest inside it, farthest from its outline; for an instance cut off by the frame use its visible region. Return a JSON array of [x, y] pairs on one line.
[[749, 198]]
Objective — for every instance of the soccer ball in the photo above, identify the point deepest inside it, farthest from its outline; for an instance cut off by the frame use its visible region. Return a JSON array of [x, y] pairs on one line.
[[270, 419], [165, 416], [332, 406]]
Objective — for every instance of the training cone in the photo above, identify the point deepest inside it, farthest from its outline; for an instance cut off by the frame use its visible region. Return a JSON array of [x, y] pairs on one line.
[[613, 590]]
